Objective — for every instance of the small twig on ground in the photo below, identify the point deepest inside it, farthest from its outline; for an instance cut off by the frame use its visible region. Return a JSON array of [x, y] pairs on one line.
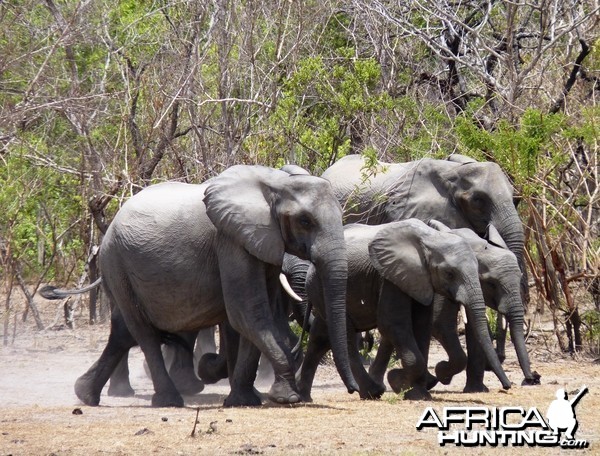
[[193, 434]]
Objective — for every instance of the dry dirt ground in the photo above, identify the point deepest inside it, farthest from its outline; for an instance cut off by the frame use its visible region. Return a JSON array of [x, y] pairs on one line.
[[37, 404]]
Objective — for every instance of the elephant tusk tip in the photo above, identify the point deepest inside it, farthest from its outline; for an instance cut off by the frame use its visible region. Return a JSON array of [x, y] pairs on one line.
[[287, 287]]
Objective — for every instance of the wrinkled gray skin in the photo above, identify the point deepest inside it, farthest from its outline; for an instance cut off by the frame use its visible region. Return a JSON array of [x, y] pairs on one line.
[[459, 192], [180, 359], [394, 270], [500, 277], [181, 257], [212, 365]]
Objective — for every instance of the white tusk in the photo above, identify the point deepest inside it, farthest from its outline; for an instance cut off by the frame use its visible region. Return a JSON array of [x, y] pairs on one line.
[[463, 312], [286, 286], [503, 322]]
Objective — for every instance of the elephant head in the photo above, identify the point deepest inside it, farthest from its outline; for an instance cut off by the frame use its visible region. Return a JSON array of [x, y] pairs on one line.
[[485, 197], [270, 212], [422, 261], [500, 279]]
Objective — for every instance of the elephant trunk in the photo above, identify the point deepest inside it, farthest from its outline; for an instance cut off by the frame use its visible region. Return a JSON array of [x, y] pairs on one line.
[[515, 321], [332, 268], [508, 224], [475, 306]]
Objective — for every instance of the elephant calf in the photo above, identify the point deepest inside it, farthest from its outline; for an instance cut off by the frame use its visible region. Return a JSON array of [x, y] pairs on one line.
[[500, 277], [394, 272]]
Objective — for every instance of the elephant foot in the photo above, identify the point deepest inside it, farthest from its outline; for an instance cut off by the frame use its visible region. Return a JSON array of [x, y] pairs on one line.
[[118, 389], [304, 392], [534, 380], [444, 372], [475, 388], [170, 399], [212, 368], [373, 391], [86, 392], [431, 381], [417, 393], [402, 384], [282, 392], [187, 383], [243, 398]]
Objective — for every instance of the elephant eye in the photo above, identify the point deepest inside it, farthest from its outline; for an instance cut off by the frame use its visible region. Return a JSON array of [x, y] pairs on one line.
[[305, 221], [449, 275], [478, 200]]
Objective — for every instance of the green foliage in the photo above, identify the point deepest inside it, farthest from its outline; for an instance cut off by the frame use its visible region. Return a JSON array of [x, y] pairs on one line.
[[40, 211], [520, 149], [321, 103], [591, 323], [139, 26]]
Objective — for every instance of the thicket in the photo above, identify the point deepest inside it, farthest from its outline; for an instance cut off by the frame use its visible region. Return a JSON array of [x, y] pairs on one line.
[[99, 99]]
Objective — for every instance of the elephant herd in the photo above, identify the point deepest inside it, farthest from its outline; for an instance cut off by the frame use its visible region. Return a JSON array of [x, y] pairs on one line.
[[420, 240]]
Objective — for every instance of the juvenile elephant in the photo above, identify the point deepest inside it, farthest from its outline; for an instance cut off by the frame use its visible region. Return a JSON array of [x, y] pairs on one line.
[[394, 271], [500, 276], [180, 257]]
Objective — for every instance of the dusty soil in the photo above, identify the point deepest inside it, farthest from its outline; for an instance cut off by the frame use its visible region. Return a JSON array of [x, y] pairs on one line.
[[37, 405]]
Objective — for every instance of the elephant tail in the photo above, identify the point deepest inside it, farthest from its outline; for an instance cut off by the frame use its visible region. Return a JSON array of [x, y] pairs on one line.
[[51, 292]]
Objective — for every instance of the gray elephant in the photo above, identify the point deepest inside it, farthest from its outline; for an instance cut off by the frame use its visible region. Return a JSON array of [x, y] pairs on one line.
[[459, 192], [394, 271], [500, 277], [180, 257]]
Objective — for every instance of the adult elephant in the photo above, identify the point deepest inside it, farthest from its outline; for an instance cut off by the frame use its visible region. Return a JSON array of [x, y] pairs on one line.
[[459, 192], [499, 275], [394, 271], [180, 257]]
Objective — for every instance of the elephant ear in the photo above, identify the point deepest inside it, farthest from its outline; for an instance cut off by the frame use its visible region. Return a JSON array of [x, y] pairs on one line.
[[493, 237], [399, 255], [435, 224], [476, 243], [238, 203], [294, 170], [458, 158]]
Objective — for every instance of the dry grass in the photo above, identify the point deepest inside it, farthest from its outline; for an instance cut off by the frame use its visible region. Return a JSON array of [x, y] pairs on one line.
[[38, 370]]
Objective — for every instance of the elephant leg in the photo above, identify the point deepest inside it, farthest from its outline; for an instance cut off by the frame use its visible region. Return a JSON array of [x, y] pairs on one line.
[[500, 337], [119, 384], [422, 319], [165, 391], [250, 313], [205, 342], [446, 332], [242, 379], [181, 369], [149, 340], [318, 345], [213, 367], [89, 386], [382, 359], [476, 363], [395, 319]]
